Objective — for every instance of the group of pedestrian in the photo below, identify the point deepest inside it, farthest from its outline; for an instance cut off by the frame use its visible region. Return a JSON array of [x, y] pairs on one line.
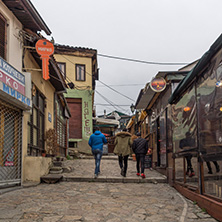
[[125, 145]]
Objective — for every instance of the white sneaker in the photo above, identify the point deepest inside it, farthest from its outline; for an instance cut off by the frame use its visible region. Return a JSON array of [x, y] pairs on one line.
[[95, 176]]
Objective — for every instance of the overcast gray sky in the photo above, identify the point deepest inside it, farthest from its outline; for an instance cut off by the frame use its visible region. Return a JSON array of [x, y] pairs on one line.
[[150, 30]]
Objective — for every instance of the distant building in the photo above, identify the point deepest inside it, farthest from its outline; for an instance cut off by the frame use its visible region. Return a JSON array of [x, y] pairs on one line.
[[79, 68], [122, 118]]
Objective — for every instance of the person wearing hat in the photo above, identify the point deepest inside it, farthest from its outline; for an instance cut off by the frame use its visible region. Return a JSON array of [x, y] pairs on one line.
[[140, 148]]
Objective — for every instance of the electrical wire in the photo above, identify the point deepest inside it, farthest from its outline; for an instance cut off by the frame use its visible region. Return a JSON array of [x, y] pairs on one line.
[[99, 104], [101, 81], [141, 61], [123, 85], [107, 100]]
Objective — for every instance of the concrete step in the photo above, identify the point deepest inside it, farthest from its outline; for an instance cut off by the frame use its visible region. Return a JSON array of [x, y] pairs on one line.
[[56, 170], [104, 179], [51, 178]]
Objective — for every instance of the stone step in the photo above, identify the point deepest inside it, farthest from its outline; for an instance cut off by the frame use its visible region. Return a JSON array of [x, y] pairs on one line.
[[104, 179], [56, 172], [57, 163], [51, 178], [55, 168]]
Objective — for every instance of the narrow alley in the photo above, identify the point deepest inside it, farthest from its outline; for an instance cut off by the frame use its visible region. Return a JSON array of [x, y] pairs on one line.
[[124, 199]]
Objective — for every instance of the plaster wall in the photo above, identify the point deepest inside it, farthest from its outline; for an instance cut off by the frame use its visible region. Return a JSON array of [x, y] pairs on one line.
[[71, 61], [34, 167], [87, 124], [14, 47]]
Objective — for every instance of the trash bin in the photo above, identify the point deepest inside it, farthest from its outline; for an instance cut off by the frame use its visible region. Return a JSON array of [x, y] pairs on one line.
[[105, 148]]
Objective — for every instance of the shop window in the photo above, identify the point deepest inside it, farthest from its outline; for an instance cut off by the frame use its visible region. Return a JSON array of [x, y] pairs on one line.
[[184, 121], [62, 67], [209, 100], [80, 72], [36, 125], [2, 37]]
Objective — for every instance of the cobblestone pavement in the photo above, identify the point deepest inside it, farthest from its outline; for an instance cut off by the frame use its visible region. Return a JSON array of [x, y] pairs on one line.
[[93, 201], [80, 201], [109, 168]]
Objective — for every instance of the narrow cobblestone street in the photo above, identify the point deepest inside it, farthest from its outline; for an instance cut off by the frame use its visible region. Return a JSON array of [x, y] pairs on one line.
[[94, 201]]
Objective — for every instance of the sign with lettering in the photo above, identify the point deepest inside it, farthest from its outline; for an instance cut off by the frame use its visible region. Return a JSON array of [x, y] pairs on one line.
[[15, 94], [158, 84], [11, 77], [15, 87], [86, 120], [44, 48]]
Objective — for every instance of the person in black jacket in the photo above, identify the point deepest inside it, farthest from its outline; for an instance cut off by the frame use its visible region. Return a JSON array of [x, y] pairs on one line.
[[188, 142], [140, 148]]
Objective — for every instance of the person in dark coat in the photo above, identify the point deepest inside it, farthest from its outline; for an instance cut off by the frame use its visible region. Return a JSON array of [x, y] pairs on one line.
[[188, 142], [140, 148], [123, 144], [96, 141]]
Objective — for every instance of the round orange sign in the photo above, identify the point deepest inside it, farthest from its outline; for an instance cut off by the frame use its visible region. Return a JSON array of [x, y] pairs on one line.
[[44, 47], [158, 84]]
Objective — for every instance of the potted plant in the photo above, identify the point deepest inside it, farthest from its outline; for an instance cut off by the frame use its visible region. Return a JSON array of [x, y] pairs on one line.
[[51, 142]]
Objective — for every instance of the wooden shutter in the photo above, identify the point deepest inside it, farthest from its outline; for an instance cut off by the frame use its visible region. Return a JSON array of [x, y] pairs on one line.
[[2, 37]]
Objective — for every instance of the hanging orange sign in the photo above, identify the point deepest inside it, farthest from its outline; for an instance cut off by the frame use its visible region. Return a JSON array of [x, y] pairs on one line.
[[44, 48], [158, 84]]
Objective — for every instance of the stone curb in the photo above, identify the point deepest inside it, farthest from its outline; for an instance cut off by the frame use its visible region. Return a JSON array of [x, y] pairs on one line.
[[103, 179]]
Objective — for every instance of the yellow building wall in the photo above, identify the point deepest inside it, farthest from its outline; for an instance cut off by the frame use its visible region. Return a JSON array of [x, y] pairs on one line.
[[71, 61], [35, 167]]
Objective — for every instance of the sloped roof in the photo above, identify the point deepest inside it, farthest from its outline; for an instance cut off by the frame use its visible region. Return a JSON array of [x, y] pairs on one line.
[[185, 83], [26, 13], [72, 49], [146, 95]]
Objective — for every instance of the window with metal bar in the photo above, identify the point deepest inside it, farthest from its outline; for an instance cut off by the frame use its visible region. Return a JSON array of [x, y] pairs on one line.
[[36, 127], [61, 128]]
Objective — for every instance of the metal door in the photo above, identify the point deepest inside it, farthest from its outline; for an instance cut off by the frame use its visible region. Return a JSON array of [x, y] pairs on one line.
[[10, 145]]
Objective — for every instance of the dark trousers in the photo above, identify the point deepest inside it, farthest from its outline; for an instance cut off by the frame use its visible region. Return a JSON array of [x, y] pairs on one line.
[[216, 165], [140, 160], [123, 162], [189, 164]]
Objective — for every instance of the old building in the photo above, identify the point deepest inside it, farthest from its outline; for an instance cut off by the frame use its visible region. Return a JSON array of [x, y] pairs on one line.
[[30, 105], [196, 132], [79, 68]]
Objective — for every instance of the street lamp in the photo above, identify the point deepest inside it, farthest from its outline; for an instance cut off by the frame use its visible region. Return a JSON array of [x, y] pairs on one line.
[[132, 107]]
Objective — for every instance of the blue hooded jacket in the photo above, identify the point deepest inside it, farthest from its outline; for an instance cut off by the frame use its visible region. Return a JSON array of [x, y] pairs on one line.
[[96, 140]]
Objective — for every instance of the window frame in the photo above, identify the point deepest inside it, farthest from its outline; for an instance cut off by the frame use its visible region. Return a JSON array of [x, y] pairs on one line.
[[84, 74], [4, 46], [64, 65], [39, 147]]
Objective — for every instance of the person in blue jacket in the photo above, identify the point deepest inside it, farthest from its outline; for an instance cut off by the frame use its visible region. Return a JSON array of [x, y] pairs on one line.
[[96, 141]]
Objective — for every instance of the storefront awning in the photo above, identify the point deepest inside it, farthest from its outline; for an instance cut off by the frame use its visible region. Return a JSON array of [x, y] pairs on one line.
[[142, 115], [130, 123]]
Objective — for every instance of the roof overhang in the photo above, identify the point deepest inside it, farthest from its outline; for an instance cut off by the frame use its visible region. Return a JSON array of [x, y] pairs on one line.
[[202, 63], [26, 13], [103, 121], [146, 95], [55, 76]]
